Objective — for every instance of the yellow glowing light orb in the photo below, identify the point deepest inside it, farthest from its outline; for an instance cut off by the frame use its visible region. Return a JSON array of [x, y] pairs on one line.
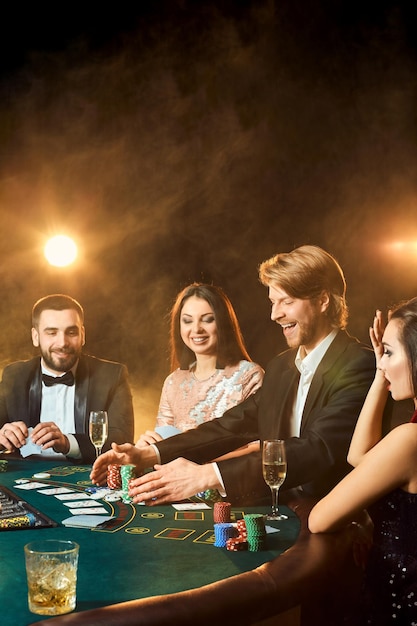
[[60, 251]]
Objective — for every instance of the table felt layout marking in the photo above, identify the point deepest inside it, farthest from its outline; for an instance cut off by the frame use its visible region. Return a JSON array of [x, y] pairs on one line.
[[152, 515], [137, 530], [176, 534], [208, 537], [190, 515]]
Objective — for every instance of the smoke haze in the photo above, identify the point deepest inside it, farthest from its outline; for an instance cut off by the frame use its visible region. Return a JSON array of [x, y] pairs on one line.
[[195, 141]]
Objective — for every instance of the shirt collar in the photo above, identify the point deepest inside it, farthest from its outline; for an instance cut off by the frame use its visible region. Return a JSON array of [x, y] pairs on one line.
[[309, 364]]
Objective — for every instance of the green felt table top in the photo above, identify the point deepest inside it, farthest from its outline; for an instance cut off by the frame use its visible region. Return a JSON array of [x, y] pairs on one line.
[[146, 551]]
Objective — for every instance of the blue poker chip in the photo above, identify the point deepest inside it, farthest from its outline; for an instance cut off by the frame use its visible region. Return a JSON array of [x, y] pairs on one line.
[[95, 489]]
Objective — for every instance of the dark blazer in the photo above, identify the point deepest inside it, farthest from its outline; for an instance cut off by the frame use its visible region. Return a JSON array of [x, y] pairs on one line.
[[99, 385], [317, 458]]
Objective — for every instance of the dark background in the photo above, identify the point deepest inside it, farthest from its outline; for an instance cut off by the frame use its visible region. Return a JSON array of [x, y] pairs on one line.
[[186, 140]]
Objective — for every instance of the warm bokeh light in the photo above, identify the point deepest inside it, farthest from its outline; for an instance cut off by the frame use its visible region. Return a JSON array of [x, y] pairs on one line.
[[404, 247], [60, 251]]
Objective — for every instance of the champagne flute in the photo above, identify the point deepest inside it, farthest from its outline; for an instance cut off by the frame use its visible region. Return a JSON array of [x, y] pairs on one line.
[[274, 468], [98, 429]]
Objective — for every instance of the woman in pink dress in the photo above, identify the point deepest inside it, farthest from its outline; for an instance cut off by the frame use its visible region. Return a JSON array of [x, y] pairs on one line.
[[211, 368]]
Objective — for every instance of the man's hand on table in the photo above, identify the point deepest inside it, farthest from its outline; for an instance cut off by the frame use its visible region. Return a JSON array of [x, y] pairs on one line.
[[48, 435], [124, 454], [172, 482], [13, 435]]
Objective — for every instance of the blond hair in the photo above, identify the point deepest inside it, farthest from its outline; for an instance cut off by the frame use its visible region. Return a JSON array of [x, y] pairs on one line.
[[306, 272]]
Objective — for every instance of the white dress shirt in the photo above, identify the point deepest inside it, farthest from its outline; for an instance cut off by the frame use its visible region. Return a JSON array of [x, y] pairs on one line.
[[58, 406], [307, 367]]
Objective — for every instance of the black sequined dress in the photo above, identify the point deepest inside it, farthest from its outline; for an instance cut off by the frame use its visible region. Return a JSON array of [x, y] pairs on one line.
[[390, 595]]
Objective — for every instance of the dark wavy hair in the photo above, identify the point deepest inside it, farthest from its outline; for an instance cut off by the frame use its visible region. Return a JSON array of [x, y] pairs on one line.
[[230, 344], [306, 272], [406, 314], [55, 302]]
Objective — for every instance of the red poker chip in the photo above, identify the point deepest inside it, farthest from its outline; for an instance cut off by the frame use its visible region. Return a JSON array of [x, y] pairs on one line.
[[114, 480], [236, 544], [221, 512]]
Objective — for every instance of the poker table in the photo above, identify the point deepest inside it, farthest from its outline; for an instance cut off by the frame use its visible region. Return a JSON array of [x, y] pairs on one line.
[[142, 552]]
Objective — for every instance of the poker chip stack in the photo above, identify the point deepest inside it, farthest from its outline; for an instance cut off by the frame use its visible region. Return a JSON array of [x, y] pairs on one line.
[[19, 521], [221, 512], [114, 477], [210, 495], [241, 527], [256, 533], [127, 473], [236, 544], [223, 532], [247, 534]]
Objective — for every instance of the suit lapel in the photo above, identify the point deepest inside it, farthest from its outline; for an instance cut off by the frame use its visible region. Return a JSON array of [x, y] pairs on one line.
[[35, 394], [279, 405], [289, 386], [82, 381], [333, 353]]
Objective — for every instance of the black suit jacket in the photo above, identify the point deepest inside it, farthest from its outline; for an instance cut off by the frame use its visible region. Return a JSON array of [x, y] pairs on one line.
[[99, 385], [317, 458]]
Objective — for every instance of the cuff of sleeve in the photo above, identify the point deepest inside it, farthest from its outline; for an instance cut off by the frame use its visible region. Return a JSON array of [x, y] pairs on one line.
[[221, 491], [74, 450], [158, 456]]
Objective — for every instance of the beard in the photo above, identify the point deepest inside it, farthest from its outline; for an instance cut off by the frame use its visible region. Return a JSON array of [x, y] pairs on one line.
[[61, 362], [307, 333]]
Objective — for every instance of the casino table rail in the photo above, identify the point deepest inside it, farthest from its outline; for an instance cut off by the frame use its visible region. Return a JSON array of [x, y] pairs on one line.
[[317, 574]]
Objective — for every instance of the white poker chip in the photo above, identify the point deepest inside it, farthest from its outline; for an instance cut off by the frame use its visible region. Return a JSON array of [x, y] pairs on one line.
[[100, 494], [112, 497], [42, 475]]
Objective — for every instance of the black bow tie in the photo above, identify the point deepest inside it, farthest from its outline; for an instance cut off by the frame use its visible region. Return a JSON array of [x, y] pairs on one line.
[[66, 379]]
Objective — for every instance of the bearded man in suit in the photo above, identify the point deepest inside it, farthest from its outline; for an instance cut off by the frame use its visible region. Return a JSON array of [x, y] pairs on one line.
[[48, 399], [311, 397]]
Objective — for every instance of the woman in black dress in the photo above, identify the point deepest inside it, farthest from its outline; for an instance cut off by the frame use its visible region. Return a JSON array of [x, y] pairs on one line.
[[384, 478]]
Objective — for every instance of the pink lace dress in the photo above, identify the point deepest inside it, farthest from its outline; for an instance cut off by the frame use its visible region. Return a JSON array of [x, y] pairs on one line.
[[187, 402]]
